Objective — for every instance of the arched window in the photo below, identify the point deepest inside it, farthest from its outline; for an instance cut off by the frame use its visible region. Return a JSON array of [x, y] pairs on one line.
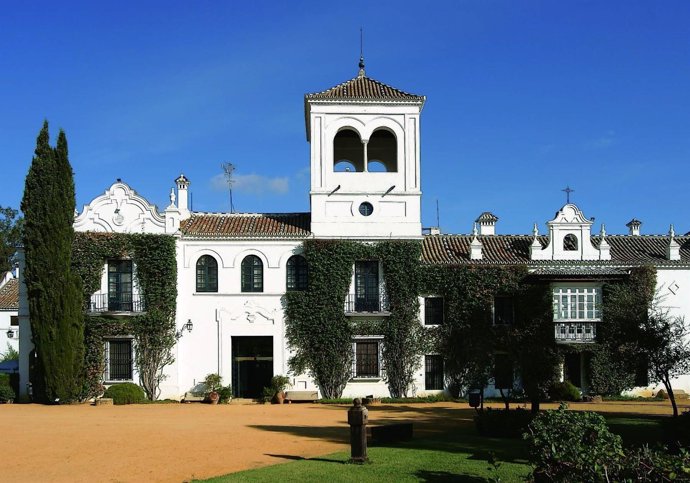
[[570, 243], [206, 274], [252, 274], [382, 152], [348, 152], [297, 273]]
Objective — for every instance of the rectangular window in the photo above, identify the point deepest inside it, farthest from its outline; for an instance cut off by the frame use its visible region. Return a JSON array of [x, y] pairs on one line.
[[433, 311], [576, 303], [367, 286], [118, 360], [503, 372], [504, 312], [433, 372], [14, 321], [366, 358], [120, 285]]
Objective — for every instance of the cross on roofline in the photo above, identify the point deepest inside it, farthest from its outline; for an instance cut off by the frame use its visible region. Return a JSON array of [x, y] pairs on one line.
[[567, 191]]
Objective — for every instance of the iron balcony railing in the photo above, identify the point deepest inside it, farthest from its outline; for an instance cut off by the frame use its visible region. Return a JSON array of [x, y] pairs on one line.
[[368, 303], [575, 331], [122, 302]]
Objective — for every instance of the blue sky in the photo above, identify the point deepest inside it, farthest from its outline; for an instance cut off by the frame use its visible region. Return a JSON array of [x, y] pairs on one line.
[[524, 98]]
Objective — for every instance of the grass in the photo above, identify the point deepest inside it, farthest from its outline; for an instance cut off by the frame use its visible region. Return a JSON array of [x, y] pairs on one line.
[[458, 454]]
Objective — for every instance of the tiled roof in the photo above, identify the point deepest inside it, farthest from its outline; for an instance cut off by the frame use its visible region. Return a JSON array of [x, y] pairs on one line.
[[9, 295], [247, 225], [487, 217], [626, 250], [363, 87]]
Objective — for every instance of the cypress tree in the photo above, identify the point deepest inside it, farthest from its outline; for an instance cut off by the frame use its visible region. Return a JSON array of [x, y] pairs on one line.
[[55, 298]]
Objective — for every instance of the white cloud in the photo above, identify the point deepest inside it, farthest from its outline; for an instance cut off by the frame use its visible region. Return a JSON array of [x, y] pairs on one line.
[[254, 184]]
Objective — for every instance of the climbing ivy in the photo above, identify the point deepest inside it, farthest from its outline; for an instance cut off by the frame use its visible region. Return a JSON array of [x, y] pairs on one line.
[[153, 330]]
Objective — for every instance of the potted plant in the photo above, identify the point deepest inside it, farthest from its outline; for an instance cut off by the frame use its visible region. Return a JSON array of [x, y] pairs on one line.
[[278, 385], [214, 384]]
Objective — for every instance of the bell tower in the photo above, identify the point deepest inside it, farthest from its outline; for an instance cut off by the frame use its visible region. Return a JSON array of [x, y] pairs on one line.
[[365, 166]]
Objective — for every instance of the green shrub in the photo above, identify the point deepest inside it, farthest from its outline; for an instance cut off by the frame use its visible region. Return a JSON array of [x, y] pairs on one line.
[[499, 423], [278, 384], [564, 391], [651, 466], [225, 393], [573, 446], [125, 393], [6, 393], [4, 379]]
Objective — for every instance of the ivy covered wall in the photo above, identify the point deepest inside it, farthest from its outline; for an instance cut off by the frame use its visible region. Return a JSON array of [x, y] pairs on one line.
[[153, 330]]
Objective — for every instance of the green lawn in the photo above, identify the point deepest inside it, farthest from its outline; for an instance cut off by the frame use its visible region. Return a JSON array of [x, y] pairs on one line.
[[458, 456]]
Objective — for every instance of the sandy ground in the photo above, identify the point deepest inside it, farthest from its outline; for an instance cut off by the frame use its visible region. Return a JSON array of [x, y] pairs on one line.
[[178, 442]]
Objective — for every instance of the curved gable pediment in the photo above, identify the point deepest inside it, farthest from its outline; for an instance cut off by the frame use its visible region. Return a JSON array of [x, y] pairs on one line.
[[120, 210]]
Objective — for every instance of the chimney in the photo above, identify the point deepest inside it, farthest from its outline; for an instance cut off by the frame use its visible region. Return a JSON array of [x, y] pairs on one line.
[[634, 226], [182, 195], [434, 230], [673, 248], [487, 223], [475, 246]]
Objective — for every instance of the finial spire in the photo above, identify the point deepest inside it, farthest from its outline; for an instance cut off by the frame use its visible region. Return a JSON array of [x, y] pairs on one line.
[[671, 232], [361, 53], [535, 231]]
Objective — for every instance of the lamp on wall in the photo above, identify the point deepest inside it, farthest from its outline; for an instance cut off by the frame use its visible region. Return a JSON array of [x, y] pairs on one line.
[[189, 325], [10, 334]]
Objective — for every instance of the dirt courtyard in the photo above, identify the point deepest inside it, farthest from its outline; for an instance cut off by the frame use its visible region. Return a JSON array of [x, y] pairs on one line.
[[178, 442]]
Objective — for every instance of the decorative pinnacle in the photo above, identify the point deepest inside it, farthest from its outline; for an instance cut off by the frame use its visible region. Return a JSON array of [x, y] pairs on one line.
[[603, 231], [361, 53], [474, 230], [671, 232], [535, 231]]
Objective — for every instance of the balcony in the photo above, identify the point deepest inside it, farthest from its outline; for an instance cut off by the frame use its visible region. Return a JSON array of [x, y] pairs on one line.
[[123, 304], [575, 332], [370, 303]]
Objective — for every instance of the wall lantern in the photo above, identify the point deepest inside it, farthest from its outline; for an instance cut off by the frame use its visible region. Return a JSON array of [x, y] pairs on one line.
[[10, 334], [189, 325]]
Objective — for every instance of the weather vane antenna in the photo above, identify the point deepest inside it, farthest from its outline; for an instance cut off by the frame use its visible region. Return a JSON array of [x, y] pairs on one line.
[[567, 192], [361, 52], [228, 170]]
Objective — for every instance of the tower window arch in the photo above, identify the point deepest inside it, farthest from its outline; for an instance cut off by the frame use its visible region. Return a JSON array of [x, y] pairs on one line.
[[297, 273], [570, 243], [252, 274], [348, 153], [206, 274], [382, 152]]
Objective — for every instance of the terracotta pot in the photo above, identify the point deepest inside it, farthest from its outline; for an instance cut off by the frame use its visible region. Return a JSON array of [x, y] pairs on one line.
[[213, 397], [279, 398]]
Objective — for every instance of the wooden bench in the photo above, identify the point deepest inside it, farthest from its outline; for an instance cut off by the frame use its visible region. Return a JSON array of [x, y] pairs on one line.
[[192, 397], [304, 396]]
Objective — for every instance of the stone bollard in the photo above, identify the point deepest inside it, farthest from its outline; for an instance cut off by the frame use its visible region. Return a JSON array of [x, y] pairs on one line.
[[357, 418]]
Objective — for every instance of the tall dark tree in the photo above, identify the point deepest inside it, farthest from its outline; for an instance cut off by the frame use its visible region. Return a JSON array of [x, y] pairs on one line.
[[55, 298], [10, 236]]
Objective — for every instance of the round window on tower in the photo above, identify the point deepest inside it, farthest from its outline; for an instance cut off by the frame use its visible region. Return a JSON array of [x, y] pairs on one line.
[[366, 209]]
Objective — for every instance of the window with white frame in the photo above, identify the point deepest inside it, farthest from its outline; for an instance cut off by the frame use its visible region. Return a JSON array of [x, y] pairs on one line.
[[366, 363], [118, 360], [577, 303]]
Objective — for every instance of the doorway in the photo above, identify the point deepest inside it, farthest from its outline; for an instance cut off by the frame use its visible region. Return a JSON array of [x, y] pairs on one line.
[[252, 365]]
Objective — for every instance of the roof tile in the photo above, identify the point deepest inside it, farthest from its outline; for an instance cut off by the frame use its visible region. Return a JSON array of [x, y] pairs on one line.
[[247, 225], [9, 295], [363, 87]]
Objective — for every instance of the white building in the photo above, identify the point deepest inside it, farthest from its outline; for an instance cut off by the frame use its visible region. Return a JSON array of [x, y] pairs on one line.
[[233, 269], [9, 306]]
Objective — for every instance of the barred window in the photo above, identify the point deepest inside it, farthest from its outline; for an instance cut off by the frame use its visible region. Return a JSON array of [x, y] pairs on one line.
[[504, 313], [367, 358], [297, 273], [433, 311], [433, 372], [118, 360], [576, 303], [252, 274], [206, 274]]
